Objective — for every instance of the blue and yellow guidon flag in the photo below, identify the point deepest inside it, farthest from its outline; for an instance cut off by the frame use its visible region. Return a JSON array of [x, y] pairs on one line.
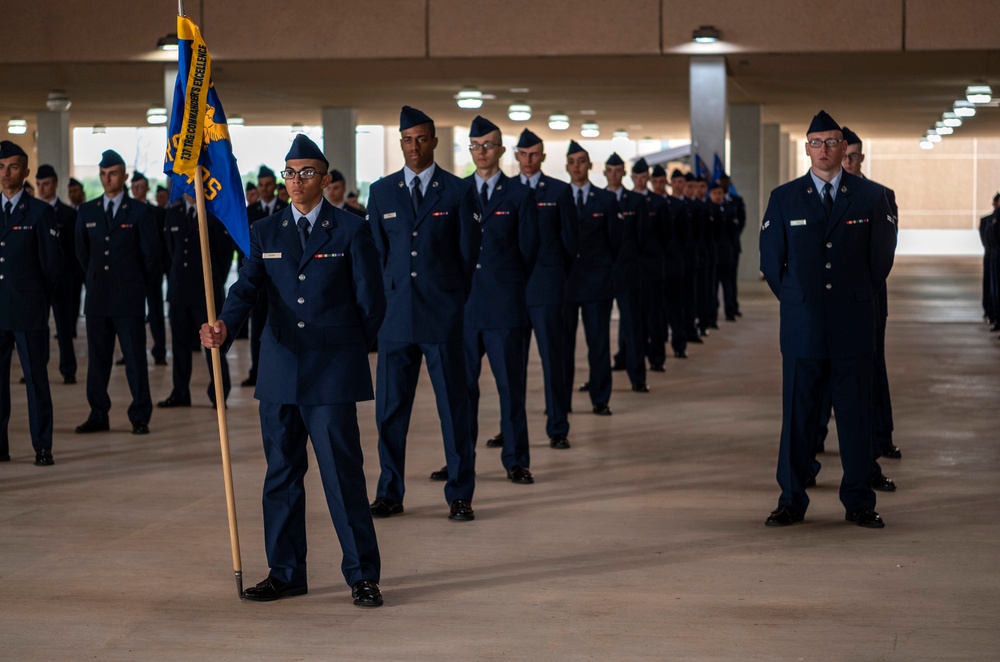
[[198, 137]]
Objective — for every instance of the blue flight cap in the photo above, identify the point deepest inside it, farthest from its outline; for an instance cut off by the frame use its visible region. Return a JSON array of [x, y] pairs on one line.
[[138, 177], [411, 117], [482, 127], [822, 122], [715, 184], [265, 172], [688, 177], [658, 171], [677, 174], [336, 176], [9, 149], [75, 182], [110, 158], [640, 167], [851, 137], [251, 187], [701, 179], [528, 139], [304, 148], [614, 160], [46, 172], [161, 187], [575, 148]]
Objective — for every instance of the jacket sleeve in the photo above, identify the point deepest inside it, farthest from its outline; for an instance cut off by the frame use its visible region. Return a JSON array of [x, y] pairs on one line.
[[242, 295], [149, 241], [82, 244], [773, 246], [470, 234], [369, 294], [378, 232], [528, 235], [569, 226], [883, 239], [50, 250], [616, 226]]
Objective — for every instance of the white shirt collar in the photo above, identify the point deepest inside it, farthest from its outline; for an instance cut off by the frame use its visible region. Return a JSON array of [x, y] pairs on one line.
[[117, 201], [834, 183], [311, 216], [13, 201], [425, 177]]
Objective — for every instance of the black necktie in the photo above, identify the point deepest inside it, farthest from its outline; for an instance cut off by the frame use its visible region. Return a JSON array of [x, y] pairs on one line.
[[303, 231], [827, 199], [192, 216], [579, 203], [418, 195], [6, 213], [111, 212], [484, 195]]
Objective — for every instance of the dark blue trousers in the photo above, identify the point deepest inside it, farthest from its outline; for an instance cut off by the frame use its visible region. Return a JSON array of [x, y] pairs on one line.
[[336, 441], [674, 312], [33, 351], [131, 332], [596, 317], [547, 323], [185, 322], [157, 323], [850, 384], [505, 349], [396, 378], [64, 313], [654, 332], [630, 339]]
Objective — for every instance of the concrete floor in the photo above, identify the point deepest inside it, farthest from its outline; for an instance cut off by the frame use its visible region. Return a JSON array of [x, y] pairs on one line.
[[644, 541]]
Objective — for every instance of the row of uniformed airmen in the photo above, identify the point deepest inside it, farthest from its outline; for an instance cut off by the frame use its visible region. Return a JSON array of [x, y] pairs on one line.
[[989, 235]]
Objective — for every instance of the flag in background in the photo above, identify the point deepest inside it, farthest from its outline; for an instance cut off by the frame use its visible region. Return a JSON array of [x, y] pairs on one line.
[[719, 172], [198, 136], [701, 169]]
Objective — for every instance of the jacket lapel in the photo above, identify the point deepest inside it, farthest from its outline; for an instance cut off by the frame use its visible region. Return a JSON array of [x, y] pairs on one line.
[[812, 201], [499, 190], [17, 214], [431, 198], [289, 235], [319, 235]]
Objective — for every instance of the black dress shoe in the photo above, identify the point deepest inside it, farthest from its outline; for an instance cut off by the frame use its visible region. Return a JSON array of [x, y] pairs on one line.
[[601, 409], [43, 458], [171, 401], [890, 450], [739, 314], [867, 518], [584, 387], [618, 367], [120, 361], [559, 441], [811, 481], [273, 588], [4, 457], [140, 428], [883, 483], [696, 340], [461, 511], [730, 318], [366, 593], [657, 368], [160, 362], [89, 426], [440, 475], [22, 381], [382, 507], [680, 355], [640, 387], [69, 379], [783, 516], [713, 325], [249, 381], [520, 475], [495, 442]]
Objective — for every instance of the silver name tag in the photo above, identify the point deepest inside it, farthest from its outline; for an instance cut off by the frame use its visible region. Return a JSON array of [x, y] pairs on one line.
[[269, 256], [391, 214], [799, 222]]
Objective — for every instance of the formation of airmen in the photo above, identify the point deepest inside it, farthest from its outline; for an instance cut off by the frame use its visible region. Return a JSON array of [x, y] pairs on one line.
[[439, 268], [989, 235]]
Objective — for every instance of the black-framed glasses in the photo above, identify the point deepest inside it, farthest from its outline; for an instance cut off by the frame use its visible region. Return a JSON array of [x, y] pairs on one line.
[[829, 142], [853, 158], [475, 147], [305, 174]]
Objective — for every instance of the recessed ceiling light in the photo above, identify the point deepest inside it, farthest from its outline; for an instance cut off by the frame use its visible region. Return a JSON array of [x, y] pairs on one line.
[[559, 121], [469, 98], [588, 112], [979, 92], [590, 130], [17, 126], [706, 34], [519, 112], [156, 116]]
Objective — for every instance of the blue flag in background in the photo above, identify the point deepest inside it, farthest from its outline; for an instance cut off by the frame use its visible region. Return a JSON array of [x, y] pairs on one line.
[[700, 169], [198, 137], [718, 172]]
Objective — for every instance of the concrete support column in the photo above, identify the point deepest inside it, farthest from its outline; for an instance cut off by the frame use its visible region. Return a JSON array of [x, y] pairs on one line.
[[784, 167], [794, 148], [444, 155], [771, 149], [708, 108], [340, 127], [745, 139], [54, 144]]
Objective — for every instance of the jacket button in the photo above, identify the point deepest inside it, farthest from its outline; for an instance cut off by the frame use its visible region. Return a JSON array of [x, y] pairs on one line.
[[107, 239], [301, 299], [3, 243], [479, 266], [302, 276], [413, 274], [414, 233], [302, 325], [107, 252], [107, 268], [185, 264], [3, 259], [829, 244], [1, 276], [413, 253], [828, 265], [829, 286]]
